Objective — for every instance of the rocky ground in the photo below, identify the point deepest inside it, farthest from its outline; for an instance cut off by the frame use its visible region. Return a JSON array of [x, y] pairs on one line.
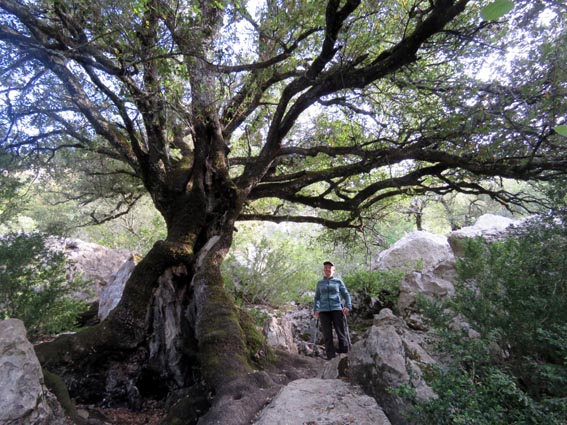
[[121, 415], [288, 367], [396, 346]]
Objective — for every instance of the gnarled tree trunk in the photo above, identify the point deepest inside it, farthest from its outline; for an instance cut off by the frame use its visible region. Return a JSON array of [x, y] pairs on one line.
[[175, 326]]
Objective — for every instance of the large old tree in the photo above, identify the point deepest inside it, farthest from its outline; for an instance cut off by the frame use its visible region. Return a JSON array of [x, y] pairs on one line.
[[306, 111]]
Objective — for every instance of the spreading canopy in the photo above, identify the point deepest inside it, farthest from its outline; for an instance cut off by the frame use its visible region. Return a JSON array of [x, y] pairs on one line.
[[333, 105]]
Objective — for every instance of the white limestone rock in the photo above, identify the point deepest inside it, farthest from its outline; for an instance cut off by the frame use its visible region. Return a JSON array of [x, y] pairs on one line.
[[322, 401], [24, 399]]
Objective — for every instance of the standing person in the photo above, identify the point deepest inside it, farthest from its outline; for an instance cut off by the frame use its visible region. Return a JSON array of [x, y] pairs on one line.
[[329, 309]]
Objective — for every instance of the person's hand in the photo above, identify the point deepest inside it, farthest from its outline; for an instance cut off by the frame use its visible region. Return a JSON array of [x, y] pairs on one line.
[[345, 310], [316, 313]]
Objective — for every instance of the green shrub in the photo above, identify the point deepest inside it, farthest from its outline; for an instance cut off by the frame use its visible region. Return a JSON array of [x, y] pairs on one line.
[[381, 284], [271, 271], [514, 293], [33, 286], [259, 317]]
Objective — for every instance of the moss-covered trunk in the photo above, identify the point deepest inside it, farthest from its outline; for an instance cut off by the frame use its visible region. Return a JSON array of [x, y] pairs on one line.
[[222, 343], [174, 326]]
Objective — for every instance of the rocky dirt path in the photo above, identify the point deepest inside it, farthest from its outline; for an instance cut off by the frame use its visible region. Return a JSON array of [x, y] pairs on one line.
[[305, 391], [322, 401], [327, 398]]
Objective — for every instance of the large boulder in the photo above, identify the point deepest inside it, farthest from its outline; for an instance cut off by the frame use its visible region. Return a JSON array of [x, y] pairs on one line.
[[322, 401], [104, 270], [279, 334], [111, 292], [391, 356], [429, 264], [24, 398], [91, 262], [488, 226]]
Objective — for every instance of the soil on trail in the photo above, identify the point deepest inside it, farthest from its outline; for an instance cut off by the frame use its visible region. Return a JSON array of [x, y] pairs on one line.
[[121, 415], [296, 366]]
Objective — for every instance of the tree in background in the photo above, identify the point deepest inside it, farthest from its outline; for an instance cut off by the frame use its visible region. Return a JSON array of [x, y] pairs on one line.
[[314, 112], [12, 192]]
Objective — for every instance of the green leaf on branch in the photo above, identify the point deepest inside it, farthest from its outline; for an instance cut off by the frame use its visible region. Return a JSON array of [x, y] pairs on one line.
[[496, 9], [561, 130]]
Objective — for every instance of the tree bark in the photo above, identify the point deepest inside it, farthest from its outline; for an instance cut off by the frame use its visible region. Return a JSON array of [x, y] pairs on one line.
[[174, 327]]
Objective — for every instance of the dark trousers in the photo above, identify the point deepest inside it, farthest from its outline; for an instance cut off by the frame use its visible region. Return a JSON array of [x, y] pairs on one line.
[[330, 319]]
